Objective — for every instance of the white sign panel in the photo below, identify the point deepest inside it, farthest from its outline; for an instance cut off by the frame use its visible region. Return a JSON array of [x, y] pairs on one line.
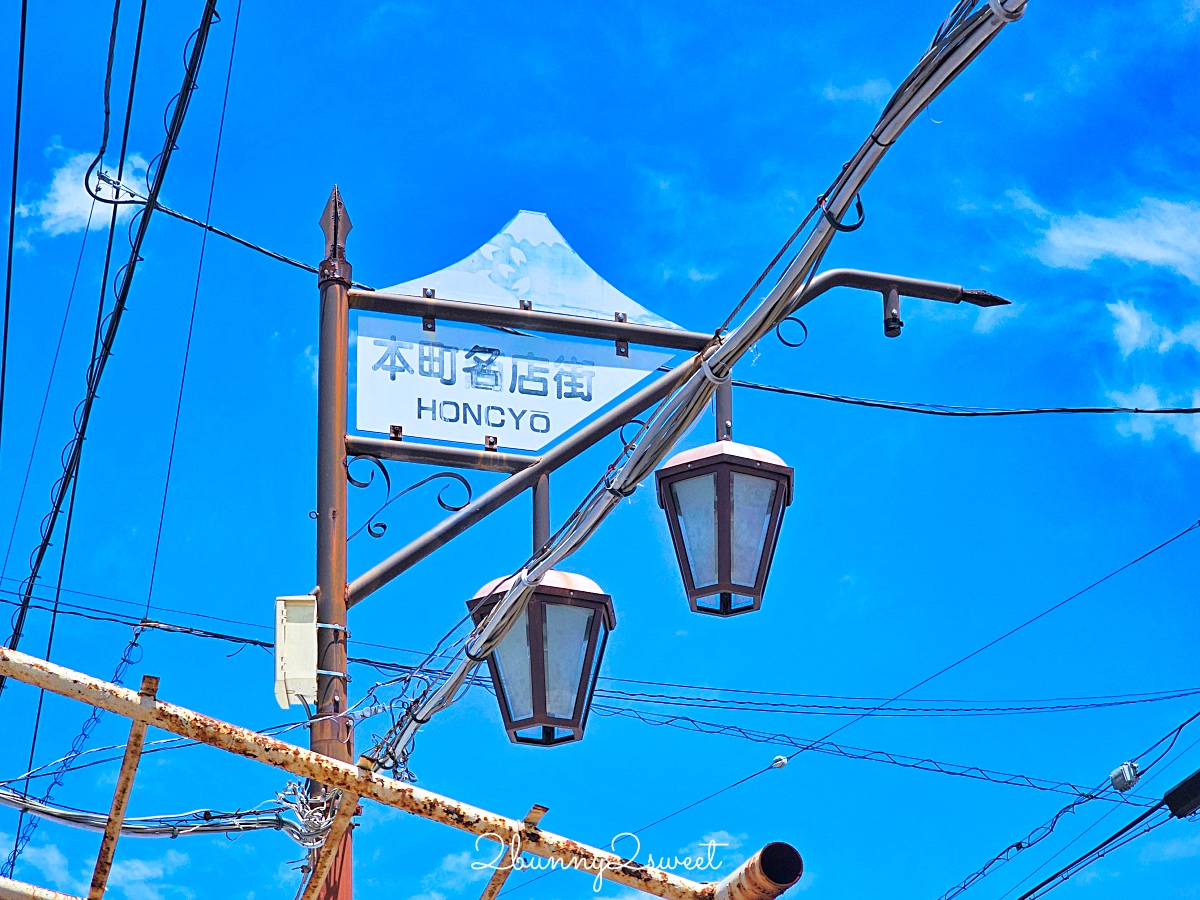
[[461, 383]]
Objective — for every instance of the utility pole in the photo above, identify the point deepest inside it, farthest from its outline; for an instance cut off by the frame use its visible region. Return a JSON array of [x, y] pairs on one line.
[[331, 735]]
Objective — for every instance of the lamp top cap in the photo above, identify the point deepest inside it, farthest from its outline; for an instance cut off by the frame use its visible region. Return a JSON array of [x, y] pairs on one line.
[[554, 578], [335, 224], [724, 448]]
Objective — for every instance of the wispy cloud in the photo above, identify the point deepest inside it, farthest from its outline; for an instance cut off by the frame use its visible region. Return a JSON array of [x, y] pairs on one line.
[[1156, 232], [874, 91], [53, 867], [1135, 329], [65, 206], [455, 872], [142, 879], [1146, 396]]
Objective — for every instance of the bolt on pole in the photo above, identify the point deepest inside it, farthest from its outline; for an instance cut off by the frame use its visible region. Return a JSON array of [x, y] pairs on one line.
[[331, 735]]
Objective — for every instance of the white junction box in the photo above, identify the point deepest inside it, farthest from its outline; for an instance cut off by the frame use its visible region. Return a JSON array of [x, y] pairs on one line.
[[295, 650]]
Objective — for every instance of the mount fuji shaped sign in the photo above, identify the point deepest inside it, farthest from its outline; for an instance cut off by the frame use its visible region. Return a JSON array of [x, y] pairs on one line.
[[466, 383]]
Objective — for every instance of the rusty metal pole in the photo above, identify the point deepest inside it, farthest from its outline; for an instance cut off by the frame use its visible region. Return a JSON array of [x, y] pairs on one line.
[[778, 864], [120, 800], [331, 735]]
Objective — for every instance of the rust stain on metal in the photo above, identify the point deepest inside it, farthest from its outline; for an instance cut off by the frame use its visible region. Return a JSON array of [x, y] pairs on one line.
[[120, 801], [348, 777], [337, 830]]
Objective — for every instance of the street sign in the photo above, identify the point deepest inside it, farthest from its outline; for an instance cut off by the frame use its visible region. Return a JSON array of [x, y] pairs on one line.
[[464, 383]]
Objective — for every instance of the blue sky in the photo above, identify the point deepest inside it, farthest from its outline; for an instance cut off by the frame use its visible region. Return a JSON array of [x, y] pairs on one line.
[[675, 146]]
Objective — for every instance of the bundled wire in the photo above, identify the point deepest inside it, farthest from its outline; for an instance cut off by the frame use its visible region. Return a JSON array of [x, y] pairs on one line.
[[961, 39]]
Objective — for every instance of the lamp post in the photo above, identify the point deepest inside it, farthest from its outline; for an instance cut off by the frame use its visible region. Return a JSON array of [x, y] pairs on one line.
[[544, 671]]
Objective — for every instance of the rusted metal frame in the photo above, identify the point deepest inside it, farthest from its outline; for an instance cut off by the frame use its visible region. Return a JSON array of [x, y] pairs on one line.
[[120, 800], [350, 778], [19, 890], [496, 883], [454, 525], [342, 818], [527, 320], [434, 455]]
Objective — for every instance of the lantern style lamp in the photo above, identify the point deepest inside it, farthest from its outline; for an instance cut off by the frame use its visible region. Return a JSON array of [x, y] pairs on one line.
[[545, 668], [725, 503]]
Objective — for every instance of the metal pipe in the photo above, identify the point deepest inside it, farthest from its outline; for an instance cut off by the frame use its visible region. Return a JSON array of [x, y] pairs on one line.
[[454, 525], [764, 876], [527, 320], [725, 411], [541, 512], [120, 800], [19, 890], [344, 776], [434, 455], [338, 829]]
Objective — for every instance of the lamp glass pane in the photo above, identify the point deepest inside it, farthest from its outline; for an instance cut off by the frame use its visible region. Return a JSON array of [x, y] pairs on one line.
[[512, 659], [753, 498], [565, 640], [696, 506]]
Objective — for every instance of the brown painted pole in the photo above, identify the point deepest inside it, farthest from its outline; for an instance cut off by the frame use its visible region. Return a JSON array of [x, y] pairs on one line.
[[120, 800], [330, 734]]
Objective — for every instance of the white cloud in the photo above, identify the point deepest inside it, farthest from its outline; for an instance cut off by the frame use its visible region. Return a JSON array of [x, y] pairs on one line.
[[455, 872], [64, 208], [1146, 427], [873, 91], [141, 879], [992, 317], [1135, 329], [697, 275], [54, 868], [1156, 232], [1191, 9]]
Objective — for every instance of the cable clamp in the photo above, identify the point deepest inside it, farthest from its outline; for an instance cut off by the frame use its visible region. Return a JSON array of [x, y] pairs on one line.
[[711, 377], [329, 625], [344, 675], [1006, 15], [525, 581], [858, 206]]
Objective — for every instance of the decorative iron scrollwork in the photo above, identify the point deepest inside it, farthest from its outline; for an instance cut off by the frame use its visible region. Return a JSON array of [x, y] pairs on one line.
[[376, 528]]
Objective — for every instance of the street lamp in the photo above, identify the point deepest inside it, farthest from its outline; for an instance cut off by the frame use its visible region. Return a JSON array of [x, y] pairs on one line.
[[724, 504], [545, 668]]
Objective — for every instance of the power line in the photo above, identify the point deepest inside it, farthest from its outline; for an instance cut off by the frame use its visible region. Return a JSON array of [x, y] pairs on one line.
[[25, 829], [938, 673], [1102, 849], [940, 409], [1039, 834], [1085, 831], [12, 210], [923, 764]]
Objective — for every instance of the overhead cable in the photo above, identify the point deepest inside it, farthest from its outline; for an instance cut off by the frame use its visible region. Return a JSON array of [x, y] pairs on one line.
[[1103, 790], [941, 671], [939, 409], [12, 210]]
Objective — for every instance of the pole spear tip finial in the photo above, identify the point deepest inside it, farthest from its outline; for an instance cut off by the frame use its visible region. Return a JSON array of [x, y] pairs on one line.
[[335, 224]]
